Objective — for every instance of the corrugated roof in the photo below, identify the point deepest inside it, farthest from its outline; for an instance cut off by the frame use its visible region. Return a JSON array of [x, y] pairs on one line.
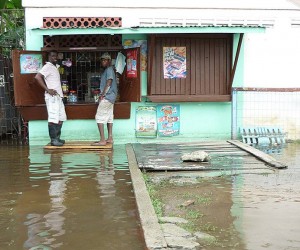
[[185, 23], [180, 22]]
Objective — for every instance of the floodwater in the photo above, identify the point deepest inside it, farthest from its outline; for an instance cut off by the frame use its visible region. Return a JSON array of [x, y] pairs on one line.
[[266, 208], [243, 210], [67, 200]]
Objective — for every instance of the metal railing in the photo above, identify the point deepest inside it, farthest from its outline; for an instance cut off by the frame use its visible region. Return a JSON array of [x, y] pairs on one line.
[[266, 107]]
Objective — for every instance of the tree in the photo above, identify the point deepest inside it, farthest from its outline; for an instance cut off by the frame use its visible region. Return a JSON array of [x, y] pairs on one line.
[[12, 33]]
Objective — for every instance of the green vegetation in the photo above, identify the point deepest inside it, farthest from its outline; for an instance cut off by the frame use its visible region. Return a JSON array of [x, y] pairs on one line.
[[193, 214], [156, 202], [12, 29]]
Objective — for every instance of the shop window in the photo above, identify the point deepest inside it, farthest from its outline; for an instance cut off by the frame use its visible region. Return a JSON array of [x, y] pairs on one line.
[[80, 75], [200, 70]]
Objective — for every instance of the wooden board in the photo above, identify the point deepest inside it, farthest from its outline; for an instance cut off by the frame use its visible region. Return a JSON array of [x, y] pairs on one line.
[[226, 156], [259, 154], [79, 145]]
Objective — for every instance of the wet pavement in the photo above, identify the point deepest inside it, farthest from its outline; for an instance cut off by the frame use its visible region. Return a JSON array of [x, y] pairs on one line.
[[241, 201], [67, 200]]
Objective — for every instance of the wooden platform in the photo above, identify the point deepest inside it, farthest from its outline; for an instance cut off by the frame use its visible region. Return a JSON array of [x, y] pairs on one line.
[[226, 156], [86, 145]]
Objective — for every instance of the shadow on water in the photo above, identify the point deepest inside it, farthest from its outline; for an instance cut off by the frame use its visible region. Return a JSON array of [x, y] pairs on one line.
[[67, 200]]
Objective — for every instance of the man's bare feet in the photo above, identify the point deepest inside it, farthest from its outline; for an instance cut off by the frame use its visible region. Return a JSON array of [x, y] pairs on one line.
[[99, 143], [110, 141]]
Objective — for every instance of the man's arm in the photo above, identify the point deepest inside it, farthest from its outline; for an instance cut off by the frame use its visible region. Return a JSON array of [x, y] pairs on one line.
[[106, 88], [40, 80]]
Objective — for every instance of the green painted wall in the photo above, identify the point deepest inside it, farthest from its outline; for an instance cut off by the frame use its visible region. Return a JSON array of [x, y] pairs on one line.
[[199, 121]]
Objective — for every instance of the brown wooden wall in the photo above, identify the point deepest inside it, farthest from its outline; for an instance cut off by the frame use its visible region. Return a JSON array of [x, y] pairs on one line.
[[209, 60]]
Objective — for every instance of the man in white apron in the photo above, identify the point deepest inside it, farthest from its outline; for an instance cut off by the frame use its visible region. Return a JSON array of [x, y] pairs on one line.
[[49, 79]]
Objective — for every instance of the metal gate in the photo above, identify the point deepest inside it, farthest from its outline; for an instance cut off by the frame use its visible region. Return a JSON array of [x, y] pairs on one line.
[[12, 128]]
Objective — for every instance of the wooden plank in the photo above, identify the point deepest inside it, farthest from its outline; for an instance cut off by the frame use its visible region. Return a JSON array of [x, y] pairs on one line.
[[79, 145], [259, 154], [151, 158]]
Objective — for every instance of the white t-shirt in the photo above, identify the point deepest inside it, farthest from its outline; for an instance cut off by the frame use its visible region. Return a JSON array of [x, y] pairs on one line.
[[52, 77]]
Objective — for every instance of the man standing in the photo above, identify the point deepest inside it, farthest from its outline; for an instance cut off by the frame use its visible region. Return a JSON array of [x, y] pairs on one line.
[[49, 79], [108, 95]]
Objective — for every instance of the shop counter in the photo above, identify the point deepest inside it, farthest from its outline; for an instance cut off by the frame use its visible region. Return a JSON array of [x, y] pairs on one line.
[[78, 110]]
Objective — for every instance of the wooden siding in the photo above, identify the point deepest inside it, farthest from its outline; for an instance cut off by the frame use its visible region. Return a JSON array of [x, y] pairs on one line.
[[208, 67]]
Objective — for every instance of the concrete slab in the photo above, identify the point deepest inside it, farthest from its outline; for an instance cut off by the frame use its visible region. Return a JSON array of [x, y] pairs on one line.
[[154, 237]]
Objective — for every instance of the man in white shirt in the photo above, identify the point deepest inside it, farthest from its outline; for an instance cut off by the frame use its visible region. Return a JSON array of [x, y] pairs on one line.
[[49, 79]]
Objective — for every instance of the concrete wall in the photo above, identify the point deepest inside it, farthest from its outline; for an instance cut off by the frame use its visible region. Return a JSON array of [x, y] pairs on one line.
[[272, 61]]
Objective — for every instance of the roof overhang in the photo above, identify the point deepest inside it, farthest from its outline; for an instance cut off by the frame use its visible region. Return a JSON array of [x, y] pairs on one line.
[[148, 30]]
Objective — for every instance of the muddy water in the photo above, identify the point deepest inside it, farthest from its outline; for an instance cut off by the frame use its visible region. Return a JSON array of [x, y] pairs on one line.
[[267, 207], [244, 211], [63, 200]]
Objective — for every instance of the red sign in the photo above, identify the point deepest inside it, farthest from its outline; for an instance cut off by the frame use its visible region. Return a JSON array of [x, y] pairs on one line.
[[131, 62]]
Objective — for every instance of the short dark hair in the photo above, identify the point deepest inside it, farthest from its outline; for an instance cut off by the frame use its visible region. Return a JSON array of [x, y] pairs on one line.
[[51, 51]]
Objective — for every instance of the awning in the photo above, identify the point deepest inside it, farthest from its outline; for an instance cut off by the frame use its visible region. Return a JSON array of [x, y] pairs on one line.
[[147, 25], [149, 30]]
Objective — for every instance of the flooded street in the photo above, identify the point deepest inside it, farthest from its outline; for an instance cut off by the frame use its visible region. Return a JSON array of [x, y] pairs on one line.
[[84, 200], [67, 200], [242, 209], [267, 207]]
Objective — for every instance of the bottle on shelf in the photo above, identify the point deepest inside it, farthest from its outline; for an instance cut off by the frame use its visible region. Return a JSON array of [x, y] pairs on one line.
[[72, 96], [96, 94], [65, 87]]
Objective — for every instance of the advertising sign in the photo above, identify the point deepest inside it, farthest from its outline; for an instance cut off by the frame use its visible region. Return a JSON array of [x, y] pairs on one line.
[[146, 125], [168, 122], [31, 63], [174, 62], [131, 63]]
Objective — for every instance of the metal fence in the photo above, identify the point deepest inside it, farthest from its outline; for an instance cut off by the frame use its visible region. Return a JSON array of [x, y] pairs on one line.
[[266, 107], [12, 128]]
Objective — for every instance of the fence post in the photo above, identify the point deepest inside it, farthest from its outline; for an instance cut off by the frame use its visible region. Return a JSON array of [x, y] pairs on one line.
[[234, 114]]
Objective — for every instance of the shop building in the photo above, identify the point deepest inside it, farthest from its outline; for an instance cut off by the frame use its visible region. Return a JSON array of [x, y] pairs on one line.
[[217, 46]]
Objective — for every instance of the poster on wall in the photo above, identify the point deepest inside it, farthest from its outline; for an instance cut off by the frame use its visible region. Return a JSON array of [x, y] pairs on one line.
[[131, 63], [142, 44], [145, 122], [168, 122], [30, 63], [174, 62]]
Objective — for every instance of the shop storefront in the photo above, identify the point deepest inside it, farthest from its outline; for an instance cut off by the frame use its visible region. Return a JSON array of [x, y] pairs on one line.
[[189, 67]]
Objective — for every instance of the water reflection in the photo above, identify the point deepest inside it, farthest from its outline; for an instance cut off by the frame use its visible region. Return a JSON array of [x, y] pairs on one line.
[[67, 200], [51, 226]]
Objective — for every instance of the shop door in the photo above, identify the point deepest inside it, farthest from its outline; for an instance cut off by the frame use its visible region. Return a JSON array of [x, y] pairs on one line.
[[130, 81], [25, 66]]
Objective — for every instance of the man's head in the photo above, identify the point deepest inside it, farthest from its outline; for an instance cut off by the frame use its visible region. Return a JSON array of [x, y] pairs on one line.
[[52, 56], [105, 59]]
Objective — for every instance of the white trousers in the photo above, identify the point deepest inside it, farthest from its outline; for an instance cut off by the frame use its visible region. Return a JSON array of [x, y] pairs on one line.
[[55, 108]]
